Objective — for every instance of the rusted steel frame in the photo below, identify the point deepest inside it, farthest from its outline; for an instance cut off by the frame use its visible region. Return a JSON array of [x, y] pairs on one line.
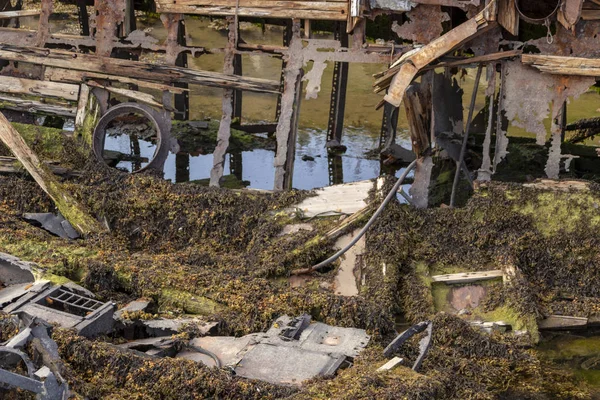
[[337, 105], [175, 25], [288, 119], [133, 69], [463, 148], [224, 132], [413, 63], [109, 19]]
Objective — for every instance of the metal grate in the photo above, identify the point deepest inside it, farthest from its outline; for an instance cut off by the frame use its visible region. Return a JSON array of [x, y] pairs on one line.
[[73, 300]]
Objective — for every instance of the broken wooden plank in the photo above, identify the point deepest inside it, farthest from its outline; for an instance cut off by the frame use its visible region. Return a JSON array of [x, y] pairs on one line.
[[82, 105], [12, 85], [468, 277], [560, 322], [35, 107], [321, 10], [132, 94], [68, 206], [347, 198], [476, 60], [19, 14], [413, 62], [508, 17], [66, 75], [590, 15], [134, 69], [563, 65]]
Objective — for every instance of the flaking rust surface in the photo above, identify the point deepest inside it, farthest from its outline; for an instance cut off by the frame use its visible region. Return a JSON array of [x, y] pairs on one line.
[[425, 24], [528, 95], [585, 42]]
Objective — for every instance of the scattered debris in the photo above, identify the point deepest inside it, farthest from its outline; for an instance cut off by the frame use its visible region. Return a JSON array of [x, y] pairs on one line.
[[55, 224], [424, 344]]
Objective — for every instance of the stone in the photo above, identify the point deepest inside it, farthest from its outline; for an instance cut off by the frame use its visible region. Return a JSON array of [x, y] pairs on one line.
[[14, 271]]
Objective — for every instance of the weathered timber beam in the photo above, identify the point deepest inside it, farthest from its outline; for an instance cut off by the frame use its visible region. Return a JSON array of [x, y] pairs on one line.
[[19, 14], [335, 11], [563, 65], [66, 75], [65, 202], [467, 277], [9, 84], [476, 60], [134, 69], [132, 94], [35, 107], [414, 62]]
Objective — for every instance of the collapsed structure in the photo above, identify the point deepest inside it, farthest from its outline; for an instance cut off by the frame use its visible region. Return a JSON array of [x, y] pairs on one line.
[[479, 286]]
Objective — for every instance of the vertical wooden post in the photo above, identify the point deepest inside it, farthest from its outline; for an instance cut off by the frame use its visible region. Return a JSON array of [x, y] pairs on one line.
[[287, 125], [43, 28], [65, 202], [225, 126]]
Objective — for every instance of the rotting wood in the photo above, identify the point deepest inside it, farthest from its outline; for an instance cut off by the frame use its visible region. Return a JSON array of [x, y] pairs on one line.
[[320, 10], [476, 60], [31, 87], [19, 14], [485, 171], [560, 65], [289, 99], [82, 106], [70, 76], [508, 17], [68, 206], [43, 24], [224, 132], [134, 69], [132, 94], [414, 62], [33, 106], [562, 322], [468, 277]]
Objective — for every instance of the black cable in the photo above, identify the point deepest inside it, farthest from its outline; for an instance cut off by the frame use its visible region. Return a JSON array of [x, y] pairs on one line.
[[360, 234]]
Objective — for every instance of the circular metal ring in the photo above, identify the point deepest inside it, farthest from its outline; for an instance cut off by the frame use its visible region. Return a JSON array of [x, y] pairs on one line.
[[162, 145], [537, 20]]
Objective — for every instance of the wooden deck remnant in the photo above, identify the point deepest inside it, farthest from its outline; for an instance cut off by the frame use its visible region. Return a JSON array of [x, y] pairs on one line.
[[347, 198], [468, 277]]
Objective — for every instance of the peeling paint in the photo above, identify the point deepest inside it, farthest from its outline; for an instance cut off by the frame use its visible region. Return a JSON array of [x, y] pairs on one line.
[[313, 78], [425, 24]]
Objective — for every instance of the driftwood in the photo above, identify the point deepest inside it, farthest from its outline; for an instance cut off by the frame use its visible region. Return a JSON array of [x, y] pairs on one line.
[[68, 206]]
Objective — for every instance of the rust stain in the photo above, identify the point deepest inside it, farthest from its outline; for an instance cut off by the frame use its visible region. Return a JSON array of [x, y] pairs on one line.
[[425, 24]]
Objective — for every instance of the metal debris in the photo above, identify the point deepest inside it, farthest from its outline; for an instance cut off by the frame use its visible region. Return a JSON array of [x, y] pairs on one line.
[[55, 224], [424, 344]]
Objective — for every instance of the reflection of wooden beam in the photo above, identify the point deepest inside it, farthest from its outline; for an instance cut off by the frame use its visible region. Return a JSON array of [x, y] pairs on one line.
[[66, 204], [413, 62]]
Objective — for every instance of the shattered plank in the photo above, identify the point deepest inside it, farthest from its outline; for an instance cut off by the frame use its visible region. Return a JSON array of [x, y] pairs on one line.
[[414, 62], [68, 206], [82, 106], [468, 277], [563, 65], [9, 84], [477, 60], [132, 94], [134, 69], [33, 106]]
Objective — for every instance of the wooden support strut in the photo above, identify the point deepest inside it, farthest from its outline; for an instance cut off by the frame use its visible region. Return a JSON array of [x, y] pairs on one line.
[[287, 124], [68, 206], [225, 126]]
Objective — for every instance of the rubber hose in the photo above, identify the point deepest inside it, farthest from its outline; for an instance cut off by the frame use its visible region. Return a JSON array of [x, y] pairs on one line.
[[208, 353], [371, 221]]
